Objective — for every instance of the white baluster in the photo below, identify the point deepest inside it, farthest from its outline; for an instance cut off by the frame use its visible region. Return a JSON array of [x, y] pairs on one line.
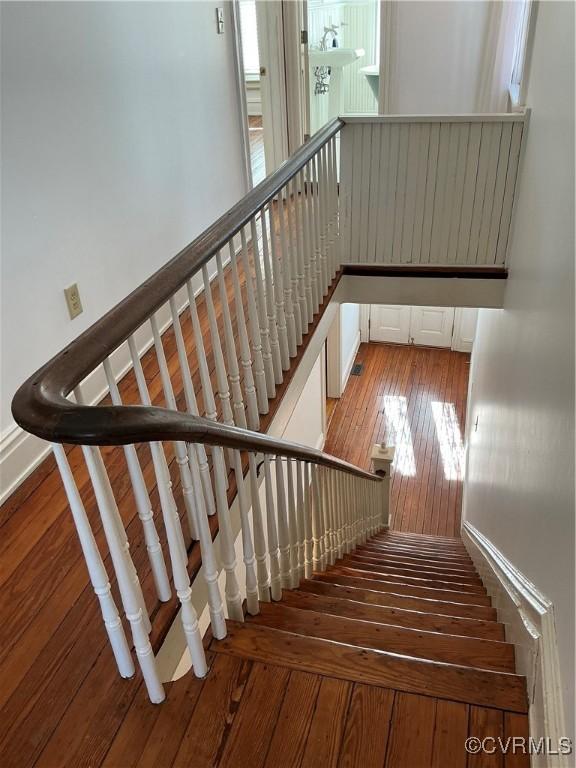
[[142, 499], [283, 530], [293, 256], [303, 264], [273, 551], [221, 375], [259, 538], [124, 569], [285, 266], [96, 458], [308, 513], [230, 344], [335, 217], [246, 360], [292, 526], [196, 452], [322, 218], [300, 513], [262, 314], [161, 471], [317, 523], [95, 566], [252, 603], [271, 305], [203, 485], [180, 450], [315, 225], [279, 296], [258, 360]]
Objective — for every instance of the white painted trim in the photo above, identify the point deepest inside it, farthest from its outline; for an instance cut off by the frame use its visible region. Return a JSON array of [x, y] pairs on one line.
[[333, 366], [350, 362], [472, 117], [423, 291], [528, 616], [364, 323], [388, 37], [241, 92]]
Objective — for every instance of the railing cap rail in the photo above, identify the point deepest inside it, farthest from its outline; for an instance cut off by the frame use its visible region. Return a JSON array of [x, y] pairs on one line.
[[474, 117], [41, 406]]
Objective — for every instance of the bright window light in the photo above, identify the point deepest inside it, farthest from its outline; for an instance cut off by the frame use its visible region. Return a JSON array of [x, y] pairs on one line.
[[450, 440], [399, 434], [249, 34]]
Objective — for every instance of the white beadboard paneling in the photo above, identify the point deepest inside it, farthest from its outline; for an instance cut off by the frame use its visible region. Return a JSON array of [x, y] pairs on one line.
[[430, 190]]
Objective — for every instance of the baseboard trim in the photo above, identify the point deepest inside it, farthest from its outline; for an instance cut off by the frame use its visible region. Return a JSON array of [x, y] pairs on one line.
[[529, 620], [350, 361]]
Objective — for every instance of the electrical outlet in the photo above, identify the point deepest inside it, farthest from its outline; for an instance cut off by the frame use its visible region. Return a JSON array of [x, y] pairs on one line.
[[73, 302]]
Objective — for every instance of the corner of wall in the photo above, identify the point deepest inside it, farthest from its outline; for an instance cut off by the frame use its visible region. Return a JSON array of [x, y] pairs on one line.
[[528, 617]]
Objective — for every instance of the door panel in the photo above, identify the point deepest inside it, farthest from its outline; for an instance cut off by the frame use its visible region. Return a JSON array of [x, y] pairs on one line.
[[465, 321], [390, 323], [432, 326]]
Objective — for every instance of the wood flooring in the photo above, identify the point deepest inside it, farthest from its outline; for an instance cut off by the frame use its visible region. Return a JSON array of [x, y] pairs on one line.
[[414, 398]]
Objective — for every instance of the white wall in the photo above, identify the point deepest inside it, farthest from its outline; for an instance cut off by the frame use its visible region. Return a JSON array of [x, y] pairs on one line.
[[349, 338], [437, 55], [520, 488], [121, 141]]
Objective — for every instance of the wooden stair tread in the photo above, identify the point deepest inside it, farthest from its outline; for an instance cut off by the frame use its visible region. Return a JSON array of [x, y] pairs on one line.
[[368, 571], [420, 554], [469, 571], [415, 572], [340, 576], [437, 646], [407, 536], [388, 540], [403, 617], [395, 600], [501, 690]]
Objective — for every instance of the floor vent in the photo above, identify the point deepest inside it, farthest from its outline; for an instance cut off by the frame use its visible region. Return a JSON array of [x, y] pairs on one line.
[[357, 369]]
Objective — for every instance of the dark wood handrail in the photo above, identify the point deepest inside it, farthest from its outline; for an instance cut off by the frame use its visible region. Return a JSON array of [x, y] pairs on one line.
[[41, 406]]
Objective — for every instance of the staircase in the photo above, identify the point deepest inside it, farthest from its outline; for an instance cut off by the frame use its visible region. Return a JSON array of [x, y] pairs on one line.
[[404, 611]]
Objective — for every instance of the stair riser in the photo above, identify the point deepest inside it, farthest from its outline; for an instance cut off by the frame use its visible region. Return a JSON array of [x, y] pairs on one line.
[[356, 569], [483, 654], [455, 683], [373, 551], [458, 550], [337, 576], [416, 572], [341, 606], [407, 562], [420, 551], [372, 597]]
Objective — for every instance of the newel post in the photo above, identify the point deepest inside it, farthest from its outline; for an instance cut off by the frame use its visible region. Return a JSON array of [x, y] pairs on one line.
[[381, 459]]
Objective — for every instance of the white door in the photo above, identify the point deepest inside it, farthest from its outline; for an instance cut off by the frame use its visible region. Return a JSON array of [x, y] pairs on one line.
[[431, 326], [390, 323], [465, 320]]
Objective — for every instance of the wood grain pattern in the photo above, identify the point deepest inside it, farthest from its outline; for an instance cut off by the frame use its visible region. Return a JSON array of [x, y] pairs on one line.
[[456, 683], [472, 652], [427, 502], [367, 727], [342, 602], [328, 722], [412, 732]]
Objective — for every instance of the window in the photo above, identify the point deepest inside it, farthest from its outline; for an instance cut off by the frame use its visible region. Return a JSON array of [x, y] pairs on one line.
[[249, 34], [520, 46]]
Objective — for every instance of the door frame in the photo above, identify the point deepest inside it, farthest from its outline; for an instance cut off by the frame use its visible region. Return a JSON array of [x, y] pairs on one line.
[[241, 93]]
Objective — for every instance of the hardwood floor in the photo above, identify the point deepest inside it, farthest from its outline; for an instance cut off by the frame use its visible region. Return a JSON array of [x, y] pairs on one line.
[[414, 398], [256, 133]]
